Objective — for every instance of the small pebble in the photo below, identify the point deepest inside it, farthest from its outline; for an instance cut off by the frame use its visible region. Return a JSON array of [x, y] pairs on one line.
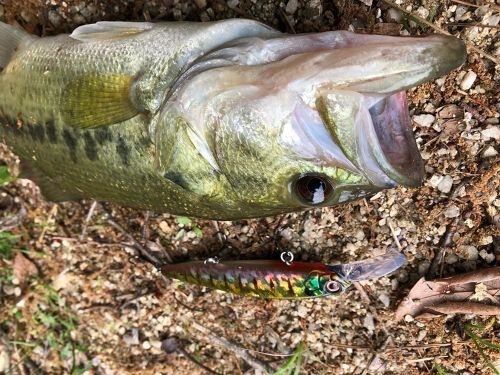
[[421, 335], [489, 152], [488, 257], [201, 3], [467, 252], [384, 298], [451, 258], [54, 18], [423, 267], [233, 3], [369, 323], [445, 184], [492, 132], [291, 6], [146, 345], [468, 80], [451, 211], [409, 318], [425, 120]]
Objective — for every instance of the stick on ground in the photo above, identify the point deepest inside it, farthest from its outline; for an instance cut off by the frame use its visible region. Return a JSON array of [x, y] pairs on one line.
[[239, 352]]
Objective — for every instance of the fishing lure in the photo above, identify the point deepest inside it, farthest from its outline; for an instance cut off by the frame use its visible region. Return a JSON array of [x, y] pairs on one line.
[[277, 279]]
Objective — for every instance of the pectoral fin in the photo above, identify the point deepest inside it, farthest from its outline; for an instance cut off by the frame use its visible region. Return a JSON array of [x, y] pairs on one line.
[[93, 101]]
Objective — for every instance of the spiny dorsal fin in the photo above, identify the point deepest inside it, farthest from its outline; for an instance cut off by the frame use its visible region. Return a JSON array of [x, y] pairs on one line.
[[93, 101], [106, 30]]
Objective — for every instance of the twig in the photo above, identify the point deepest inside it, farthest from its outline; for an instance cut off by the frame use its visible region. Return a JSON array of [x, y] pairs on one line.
[[172, 345], [219, 233], [87, 220], [474, 5], [364, 296], [441, 31], [242, 354], [287, 20], [52, 213], [194, 360], [396, 239], [145, 253], [463, 307], [472, 25], [145, 227], [425, 359], [446, 242]]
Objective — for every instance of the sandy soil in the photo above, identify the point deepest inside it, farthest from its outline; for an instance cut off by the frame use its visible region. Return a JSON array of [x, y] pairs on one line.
[[112, 311]]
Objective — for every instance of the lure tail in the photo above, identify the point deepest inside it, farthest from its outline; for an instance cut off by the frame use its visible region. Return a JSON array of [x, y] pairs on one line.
[[11, 39]]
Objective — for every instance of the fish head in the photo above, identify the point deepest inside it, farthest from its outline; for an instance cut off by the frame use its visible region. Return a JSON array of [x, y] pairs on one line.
[[322, 284], [295, 122]]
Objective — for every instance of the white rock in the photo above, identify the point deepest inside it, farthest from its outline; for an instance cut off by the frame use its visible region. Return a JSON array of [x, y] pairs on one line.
[[452, 211], [488, 257], [468, 80], [435, 180], [409, 318], [421, 335], [291, 6], [233, 3], [146, 345], [369, 323], [424, 120], [492, 132], [303, 311], [468, 252], [445, 184], [384, 298], [489, 152]]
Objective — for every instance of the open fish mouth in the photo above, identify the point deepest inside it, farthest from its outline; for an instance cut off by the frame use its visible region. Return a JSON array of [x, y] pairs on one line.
[[400, 158]]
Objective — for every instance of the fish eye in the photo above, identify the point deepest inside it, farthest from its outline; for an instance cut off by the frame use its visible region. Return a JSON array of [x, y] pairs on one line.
[[313, 188], [332, 286]]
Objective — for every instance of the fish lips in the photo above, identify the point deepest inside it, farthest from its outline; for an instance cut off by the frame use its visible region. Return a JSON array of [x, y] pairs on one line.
[[400, 157]]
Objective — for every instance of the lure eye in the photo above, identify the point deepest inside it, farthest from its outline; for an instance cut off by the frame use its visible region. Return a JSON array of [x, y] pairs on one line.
[[313, 188], [332, 286]]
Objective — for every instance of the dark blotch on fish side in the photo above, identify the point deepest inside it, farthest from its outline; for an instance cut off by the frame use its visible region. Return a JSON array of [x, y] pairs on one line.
[[71, 143], [50, 130], [123, 150], [36, 132], [103, 135], [90, 146], [177, 179]]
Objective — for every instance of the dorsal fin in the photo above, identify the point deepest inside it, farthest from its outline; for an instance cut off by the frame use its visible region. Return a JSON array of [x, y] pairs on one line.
[[107, 30], [93, 101]]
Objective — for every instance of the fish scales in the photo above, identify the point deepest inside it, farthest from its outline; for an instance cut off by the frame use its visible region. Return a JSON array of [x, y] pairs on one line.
[[223, 120]]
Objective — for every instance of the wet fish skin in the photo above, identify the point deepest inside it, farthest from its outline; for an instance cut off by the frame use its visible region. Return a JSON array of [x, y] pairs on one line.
[[220, 120]]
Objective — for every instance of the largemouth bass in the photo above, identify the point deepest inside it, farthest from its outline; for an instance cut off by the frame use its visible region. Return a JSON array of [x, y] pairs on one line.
[[223, 120], [276, 279]]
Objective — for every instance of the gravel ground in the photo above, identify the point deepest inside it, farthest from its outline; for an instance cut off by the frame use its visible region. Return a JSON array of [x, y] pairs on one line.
[[121, 310]]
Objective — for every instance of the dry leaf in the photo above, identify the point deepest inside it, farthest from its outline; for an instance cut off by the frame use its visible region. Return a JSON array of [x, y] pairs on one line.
[[454, 295], [23, 268]]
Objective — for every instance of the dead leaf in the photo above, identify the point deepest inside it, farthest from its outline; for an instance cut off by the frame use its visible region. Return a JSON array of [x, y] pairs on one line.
[[23, 268], [454, 295]]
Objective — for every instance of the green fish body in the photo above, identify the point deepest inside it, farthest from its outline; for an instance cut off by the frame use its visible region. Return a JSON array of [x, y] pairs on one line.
[[223, 120]]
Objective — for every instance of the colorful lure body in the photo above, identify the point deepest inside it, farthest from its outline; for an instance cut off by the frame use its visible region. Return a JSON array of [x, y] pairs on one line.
[[277, 279], [266, 279]]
